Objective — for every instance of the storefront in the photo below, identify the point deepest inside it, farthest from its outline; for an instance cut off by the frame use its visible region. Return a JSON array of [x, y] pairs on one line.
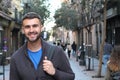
[[9, 34], [113, 26]]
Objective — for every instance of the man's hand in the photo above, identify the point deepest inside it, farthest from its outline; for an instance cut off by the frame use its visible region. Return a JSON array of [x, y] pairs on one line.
[[48, 66]]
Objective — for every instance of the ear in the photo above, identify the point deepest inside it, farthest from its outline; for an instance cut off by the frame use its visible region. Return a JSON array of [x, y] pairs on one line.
[[22, 30]]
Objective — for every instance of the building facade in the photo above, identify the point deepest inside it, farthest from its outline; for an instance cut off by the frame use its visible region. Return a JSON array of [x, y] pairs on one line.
[[91, 19], [10, 34]]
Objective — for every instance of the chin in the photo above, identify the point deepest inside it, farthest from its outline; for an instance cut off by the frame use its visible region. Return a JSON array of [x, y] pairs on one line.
[[33, 40]]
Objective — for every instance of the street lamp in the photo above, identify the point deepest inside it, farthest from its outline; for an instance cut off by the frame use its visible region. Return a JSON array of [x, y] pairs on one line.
[[82, 56], [80, 27]]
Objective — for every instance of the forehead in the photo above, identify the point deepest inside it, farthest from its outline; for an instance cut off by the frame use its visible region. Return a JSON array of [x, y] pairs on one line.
[[31, 21]]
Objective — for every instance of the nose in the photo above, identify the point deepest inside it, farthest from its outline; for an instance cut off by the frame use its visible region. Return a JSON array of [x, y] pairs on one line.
[[31, 29]]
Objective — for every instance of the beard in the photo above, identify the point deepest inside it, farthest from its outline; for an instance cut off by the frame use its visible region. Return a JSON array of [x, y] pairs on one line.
[[33, 40]]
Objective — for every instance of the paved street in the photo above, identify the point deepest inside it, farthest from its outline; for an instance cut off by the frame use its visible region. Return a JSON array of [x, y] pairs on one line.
[[80, 71], [7, 69]]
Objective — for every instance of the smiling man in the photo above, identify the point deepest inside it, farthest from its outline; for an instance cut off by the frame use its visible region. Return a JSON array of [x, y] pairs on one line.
[[32, 62]]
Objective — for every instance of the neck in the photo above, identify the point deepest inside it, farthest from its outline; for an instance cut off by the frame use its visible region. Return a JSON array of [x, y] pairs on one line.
[[34, 46]]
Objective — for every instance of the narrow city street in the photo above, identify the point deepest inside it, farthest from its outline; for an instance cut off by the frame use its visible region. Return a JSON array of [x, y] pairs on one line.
[[89, 28], [80, 71]]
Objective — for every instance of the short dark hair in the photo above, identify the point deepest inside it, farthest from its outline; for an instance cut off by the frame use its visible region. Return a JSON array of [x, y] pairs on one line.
[[31, 15]]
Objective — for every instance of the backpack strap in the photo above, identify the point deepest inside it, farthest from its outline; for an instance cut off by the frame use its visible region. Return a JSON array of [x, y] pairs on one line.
[[50, 52]]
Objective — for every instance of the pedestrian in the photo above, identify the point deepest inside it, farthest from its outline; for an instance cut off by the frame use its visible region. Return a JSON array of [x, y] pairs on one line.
[[107, 51], [32, 61], [69, 50], [113, 65], [63, 45], [54, 43], [74, 48]]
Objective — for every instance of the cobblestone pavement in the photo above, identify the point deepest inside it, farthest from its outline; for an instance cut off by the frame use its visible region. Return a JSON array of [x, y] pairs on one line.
[[81, 72]]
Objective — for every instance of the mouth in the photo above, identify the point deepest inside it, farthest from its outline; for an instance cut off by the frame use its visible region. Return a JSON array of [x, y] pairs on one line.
[[32, 35]]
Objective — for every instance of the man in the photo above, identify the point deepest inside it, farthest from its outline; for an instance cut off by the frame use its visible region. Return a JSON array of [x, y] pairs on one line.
[[31, 62], [107, 52]]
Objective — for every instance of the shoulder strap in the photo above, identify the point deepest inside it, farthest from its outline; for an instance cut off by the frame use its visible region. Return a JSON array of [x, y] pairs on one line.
[[50, 52]]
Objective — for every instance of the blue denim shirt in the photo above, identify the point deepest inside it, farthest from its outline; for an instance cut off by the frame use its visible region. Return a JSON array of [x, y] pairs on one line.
[[107, 49]]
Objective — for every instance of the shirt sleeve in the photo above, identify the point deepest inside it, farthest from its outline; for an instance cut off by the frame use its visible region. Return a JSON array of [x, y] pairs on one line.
[[13, 71], [63, 69]]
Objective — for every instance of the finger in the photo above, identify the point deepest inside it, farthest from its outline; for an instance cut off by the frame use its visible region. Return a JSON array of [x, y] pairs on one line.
[[45, 60]]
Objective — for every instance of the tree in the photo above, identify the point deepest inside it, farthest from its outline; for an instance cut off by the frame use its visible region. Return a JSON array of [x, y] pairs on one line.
[[40, 7], [5, 5], [103, 40], [66, 17], [54, 34]]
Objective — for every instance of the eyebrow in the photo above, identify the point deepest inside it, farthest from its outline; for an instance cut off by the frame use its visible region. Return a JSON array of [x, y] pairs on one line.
[[34, 25]]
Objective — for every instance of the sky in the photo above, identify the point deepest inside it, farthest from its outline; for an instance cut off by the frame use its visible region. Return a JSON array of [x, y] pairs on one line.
[[54, 5]]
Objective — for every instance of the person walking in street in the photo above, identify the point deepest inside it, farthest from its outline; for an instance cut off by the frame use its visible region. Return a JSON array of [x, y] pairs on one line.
[[37, 59], [63, 45], [73, 48], [113, 65], [69, 50], [107, 52]]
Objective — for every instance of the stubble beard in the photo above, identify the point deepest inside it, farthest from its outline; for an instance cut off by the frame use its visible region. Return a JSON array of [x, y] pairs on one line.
[[32, 41]]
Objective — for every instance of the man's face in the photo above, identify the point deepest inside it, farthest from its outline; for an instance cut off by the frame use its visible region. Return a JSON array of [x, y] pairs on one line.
[[32, 29]]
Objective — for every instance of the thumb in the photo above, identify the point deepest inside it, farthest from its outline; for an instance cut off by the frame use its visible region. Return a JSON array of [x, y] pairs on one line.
[[45, 57]]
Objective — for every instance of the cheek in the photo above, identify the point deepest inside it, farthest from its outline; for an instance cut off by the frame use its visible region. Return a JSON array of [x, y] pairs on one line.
[[24, 31]]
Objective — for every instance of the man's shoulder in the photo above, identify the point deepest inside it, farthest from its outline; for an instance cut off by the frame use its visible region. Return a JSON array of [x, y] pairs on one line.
[[46, 45], [49, 44], [19, 51]]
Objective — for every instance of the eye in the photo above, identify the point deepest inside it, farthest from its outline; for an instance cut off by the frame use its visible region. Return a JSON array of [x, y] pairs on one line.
[[35, 25], [27, 26]]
